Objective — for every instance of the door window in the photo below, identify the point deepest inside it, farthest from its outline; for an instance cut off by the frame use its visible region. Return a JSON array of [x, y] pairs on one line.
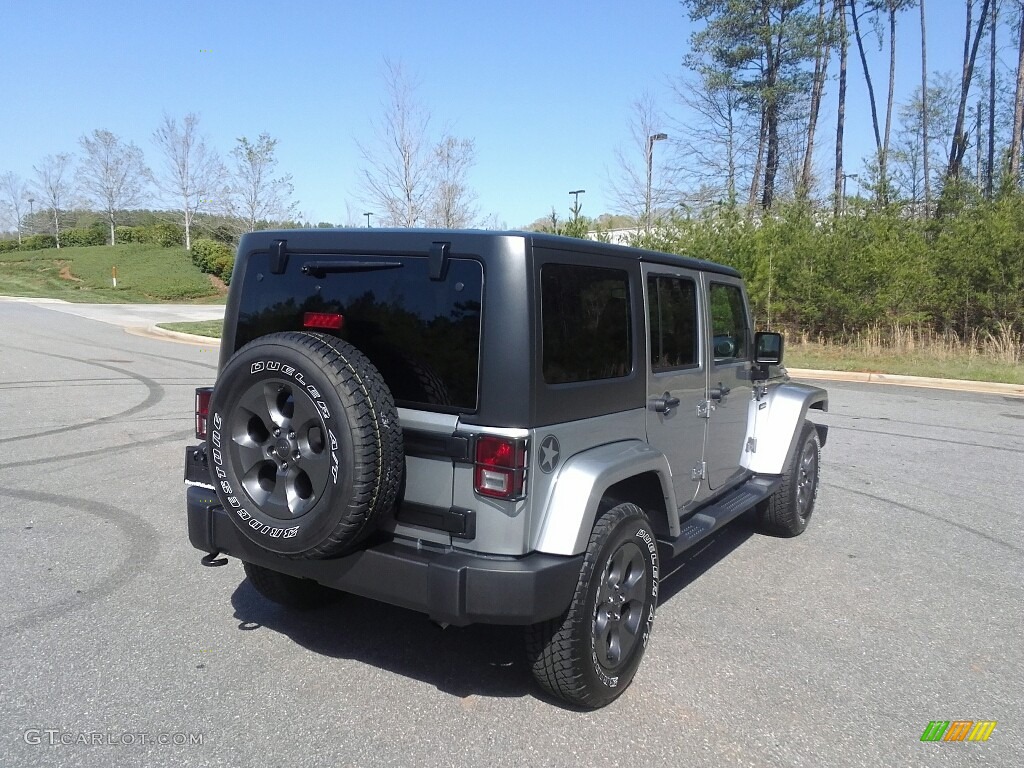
[[728, 324], [673, 323]]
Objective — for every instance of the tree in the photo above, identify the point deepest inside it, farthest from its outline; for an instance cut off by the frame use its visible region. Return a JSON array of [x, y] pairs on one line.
[[14, 194], [823, 49], [1018, 106], [452, 206], [113, 175], [924, 115], [844, 46], [762, 46], [53, 185], [958, 145], [630, 186], [397, 176], [254, 195], [193, 173]]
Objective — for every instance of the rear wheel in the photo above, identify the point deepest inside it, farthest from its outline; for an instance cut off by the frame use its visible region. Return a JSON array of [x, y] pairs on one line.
[[589, 656]]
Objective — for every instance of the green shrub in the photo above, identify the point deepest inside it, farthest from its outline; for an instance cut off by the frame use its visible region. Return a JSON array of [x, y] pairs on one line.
[[6, 246], [213, 257], [73, 238], [126, 235], [38, 242], [221, 265], [165, 234]]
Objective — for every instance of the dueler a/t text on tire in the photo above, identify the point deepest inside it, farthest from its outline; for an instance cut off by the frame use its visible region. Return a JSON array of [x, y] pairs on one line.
[[589, 656], [304, 443]]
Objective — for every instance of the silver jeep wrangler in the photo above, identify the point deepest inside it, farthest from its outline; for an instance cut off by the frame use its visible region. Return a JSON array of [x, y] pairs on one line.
[[508, 428]]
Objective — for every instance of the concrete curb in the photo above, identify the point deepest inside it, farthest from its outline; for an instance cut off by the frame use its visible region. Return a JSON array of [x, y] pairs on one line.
[[957, 385], [156, 332]]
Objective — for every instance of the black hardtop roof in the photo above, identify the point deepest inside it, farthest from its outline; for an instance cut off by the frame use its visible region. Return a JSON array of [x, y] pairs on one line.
[[403, 239]]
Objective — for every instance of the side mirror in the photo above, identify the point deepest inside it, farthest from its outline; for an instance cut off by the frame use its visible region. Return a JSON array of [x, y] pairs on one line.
[[768, 348]]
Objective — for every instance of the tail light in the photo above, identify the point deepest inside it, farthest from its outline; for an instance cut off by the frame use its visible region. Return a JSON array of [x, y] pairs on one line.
[[500, 467], [203, 395], [330, 321]]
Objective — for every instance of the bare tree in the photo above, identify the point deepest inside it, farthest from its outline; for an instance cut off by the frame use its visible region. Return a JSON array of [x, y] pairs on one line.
[[254, 194], [53, 185], [924, 115], [453, 199], [1018, 106], [990, 176], [844, 46], [397, 176], [14, 194], [113, 175], [193, 174], [822, 53], [958, 146], [640, 186]]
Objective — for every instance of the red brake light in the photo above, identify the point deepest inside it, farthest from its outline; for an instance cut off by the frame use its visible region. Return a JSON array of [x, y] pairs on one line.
[[203, 395], [500, 470], [330, 321]]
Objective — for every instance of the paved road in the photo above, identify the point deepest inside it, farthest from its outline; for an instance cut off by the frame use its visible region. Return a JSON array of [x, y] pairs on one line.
[[902, 603]]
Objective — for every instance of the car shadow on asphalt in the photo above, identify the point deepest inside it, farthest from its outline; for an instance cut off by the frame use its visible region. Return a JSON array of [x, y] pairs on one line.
[[478, 660]]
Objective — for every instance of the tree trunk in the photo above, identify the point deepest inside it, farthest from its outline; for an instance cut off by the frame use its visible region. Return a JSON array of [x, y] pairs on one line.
[[959, 144], [867, 74], [1018, 109], [755, 182], [771, 111], [821, 57], [113, 237], [840, 198], [989, 180], [883, 159], [924, 114]]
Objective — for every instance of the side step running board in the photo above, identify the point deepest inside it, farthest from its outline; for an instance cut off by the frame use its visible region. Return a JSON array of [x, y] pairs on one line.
[[709, 519]]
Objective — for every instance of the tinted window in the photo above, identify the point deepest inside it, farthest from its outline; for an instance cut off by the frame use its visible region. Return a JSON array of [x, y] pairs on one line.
[[586, 323], [728, 323], [422, 335], [673, 322]]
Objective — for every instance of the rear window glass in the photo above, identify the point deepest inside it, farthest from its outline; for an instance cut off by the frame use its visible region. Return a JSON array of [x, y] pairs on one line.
[[586, 320], [423, 335]]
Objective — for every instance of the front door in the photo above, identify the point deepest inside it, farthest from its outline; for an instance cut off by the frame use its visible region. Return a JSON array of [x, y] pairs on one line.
[[729, 384], [676, 374]]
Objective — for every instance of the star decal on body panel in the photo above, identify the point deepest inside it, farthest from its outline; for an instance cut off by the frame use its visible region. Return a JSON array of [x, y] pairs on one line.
[[549, 452]]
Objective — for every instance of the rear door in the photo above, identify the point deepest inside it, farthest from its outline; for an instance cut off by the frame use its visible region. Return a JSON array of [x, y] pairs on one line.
[[676, 374], [729, 383]]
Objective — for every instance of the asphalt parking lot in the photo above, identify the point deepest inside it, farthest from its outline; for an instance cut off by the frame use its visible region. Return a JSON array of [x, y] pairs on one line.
[[901, 605]]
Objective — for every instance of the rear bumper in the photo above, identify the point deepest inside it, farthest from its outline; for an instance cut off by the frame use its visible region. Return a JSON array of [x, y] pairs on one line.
[[448, 585]]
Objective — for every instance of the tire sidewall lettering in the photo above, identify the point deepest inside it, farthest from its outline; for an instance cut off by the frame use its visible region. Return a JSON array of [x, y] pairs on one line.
[[236, 500]]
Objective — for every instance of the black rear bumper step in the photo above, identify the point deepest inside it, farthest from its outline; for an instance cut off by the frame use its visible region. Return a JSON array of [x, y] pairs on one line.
[[450, 586]]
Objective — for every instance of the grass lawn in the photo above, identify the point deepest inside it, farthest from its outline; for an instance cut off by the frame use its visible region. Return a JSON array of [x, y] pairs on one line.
[[145, 274], [943, 365], [211, 328]]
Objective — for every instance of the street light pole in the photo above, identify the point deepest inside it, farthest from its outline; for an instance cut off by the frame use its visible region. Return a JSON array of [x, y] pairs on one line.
[[367, 215], [650, 163], [576, 202]]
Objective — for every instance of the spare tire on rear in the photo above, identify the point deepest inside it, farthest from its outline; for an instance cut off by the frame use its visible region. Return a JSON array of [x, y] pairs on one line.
[[304, 443]]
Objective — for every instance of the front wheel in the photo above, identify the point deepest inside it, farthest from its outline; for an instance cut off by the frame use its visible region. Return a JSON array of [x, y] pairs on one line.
[[589, 656], [788, 511]]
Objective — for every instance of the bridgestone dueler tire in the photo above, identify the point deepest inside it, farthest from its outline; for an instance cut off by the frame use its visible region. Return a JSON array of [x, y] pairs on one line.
[[787, 512], [290, 591], [573, 657], [304, 443]]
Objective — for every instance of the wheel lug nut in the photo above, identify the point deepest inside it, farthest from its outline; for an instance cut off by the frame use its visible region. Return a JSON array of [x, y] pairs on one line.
[[284, 465], [277, 433], [291, 435]]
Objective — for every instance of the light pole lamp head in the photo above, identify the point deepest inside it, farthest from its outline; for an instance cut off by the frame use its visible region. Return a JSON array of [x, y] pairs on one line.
[[659, 136]]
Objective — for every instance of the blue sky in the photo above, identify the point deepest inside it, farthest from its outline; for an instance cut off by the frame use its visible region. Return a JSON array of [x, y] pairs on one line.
[[544, 88]]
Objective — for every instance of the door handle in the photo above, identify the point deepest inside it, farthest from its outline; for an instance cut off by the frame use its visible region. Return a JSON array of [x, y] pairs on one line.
[[717, 393], [665, 403]]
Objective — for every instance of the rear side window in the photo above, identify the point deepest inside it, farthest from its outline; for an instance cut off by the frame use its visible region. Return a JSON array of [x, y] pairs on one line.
[[728, 323], [423, 335], [673, 322], [585, 313]]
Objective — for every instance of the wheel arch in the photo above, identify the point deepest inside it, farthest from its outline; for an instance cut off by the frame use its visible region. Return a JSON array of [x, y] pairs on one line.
[[598, 479], [776, 422]]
